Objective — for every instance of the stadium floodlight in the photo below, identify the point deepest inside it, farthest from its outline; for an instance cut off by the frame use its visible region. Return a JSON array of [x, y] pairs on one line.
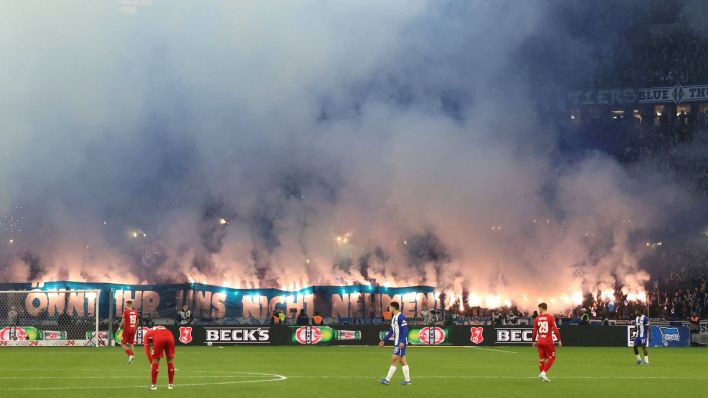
[[31, 318]]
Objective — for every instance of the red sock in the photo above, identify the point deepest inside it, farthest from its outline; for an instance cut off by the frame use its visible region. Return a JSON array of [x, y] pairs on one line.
[[154, 369], [130, 352], [171, 372], [541, 365], [549, 363]]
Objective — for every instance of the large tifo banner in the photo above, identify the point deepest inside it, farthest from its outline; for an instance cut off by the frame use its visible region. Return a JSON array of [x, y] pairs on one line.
[[580, 336], [216, 302]]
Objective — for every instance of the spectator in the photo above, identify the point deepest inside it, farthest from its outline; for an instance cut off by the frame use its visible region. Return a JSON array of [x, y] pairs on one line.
[[148, 322], [12, 316], [281, 317], [585, 318], [496, 318], [611, 308], [695, 323], [64, 319], [450, 318], [302, 319], [185, 316], [513, 319], [317, 319]]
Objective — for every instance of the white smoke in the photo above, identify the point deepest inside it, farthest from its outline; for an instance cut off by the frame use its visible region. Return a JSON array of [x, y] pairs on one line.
[[284, 144]]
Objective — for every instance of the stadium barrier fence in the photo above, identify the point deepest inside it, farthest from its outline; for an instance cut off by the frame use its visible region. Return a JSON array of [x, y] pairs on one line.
[[579, 336]]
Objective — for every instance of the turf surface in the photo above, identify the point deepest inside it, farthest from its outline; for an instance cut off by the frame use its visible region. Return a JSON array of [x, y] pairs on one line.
[[351, 372]]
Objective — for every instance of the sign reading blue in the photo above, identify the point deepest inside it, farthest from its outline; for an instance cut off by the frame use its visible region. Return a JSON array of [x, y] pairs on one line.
[[653, 95]]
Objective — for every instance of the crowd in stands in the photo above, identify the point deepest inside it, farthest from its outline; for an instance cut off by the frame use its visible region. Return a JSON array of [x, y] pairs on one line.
[[678, 57], [660, 46], [678, 290], [688, 296], [659, 60], [672, 142], [679, 294], [644, 44]]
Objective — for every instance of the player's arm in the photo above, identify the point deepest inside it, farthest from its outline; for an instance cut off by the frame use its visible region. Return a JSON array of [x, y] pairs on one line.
[[148, 352], [122, 320], [388, 336], [146, 343], [535, 332], [557, 332]]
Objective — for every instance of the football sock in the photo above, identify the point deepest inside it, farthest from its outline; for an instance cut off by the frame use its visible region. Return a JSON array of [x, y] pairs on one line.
[[127, 351], [646, 359], [171, 372], [391, 371], [541, 363], [639, 357], [406, 373], [549, 364], [154, 369]]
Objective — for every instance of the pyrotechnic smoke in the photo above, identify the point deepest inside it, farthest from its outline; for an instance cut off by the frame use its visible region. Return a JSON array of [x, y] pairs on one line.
[[285, 144]]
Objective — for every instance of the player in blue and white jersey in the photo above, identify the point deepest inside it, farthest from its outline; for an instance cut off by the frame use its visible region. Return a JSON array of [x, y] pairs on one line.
[[641, 338], [399, 333]]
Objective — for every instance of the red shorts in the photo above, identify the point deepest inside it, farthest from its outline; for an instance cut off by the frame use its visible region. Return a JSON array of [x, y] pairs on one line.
[[165, 345], [546, 351], [128, 337]]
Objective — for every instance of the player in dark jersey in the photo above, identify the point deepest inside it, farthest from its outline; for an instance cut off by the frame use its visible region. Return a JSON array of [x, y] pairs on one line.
[[544, 329], [159, 341], [399, 334], [641, 339], [129, 323]]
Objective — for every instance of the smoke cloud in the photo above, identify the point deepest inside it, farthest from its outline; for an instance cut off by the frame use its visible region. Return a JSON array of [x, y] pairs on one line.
[[285, 144]]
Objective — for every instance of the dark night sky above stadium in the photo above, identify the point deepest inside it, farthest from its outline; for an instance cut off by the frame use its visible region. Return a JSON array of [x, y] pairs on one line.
[[283, 144]]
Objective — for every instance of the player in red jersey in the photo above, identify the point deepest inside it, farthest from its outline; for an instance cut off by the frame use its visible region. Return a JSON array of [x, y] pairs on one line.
[[129, 323], [162, 341], [544, 328]]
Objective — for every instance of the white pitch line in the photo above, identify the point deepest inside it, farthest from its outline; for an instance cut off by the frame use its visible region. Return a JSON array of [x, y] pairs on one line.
[[112, 370], [116, 377], [513, 377], [277, 378], [231, 374], [58, 370]]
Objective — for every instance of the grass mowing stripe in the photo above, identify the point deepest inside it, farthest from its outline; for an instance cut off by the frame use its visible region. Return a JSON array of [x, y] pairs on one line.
[[352, 372]]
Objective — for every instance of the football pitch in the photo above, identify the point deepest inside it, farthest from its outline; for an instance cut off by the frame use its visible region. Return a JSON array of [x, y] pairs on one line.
[[351, 372]]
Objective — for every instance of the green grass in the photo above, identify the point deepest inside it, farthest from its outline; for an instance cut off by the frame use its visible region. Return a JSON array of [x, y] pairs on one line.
[[352, 372]]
